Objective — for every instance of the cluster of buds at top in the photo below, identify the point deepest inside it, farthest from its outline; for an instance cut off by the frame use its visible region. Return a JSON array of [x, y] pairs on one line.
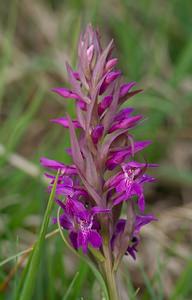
[[105, 182]]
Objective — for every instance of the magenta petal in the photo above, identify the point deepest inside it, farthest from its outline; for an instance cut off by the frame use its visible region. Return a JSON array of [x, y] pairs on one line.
[[51, 164], [120, 198], [118, 156], [110, 64], [142, 220], [82, 105], [65, 222], [67, 181], [110, 77], [113, 181], [64, 122], [128, 96], [73, 239], [122, 187], [79, 209], [125, 88], [138, 190], [82, 241], [125, 123], [124, 113], [55, 165], [104, 104], [97, 133], [65, 191], [94, 239], [66, 93], [147, 178], [141, 202]]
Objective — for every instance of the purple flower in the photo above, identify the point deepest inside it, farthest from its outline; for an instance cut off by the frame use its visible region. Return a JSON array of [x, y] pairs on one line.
[[129, 182], [139, 222], [116, 157], [83, 229]]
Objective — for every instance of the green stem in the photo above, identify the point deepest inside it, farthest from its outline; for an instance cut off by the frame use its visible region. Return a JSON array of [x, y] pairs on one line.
[[109, 274]]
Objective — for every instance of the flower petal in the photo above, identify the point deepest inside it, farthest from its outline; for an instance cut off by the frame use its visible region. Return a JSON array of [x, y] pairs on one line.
[[82, 241], [94, 239], [110, 64], [73, 239], [96, 133], [110, 77], [104, 104], [123, 114], [51, 164], [66, 93], [64, 122], [125, 88], [56, 165], [125, 123], [65, 222], [142, 220], [116, 157]]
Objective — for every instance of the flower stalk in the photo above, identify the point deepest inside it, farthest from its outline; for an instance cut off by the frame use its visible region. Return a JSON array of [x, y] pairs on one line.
[[109, 274], [101, 194]]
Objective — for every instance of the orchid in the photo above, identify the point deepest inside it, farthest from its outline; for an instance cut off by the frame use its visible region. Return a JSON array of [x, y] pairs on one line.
[[83, 229], [104, 180]]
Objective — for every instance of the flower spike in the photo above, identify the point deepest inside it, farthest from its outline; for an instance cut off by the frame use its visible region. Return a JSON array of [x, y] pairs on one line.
[[104, 179]]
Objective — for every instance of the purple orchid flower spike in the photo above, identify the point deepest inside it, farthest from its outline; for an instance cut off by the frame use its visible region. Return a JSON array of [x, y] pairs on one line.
[[104, 179]]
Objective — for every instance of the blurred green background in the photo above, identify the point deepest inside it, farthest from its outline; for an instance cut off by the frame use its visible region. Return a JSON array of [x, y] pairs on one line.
[[153, 41]]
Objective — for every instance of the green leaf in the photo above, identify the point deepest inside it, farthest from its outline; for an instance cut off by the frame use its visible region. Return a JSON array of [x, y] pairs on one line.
[[148, 284], [31, 274], [71, 286]]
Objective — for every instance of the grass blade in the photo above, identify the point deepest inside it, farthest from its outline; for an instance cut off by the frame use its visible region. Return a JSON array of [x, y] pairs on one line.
[[71, 286], [183, 285], [148, 284], [29, 282]]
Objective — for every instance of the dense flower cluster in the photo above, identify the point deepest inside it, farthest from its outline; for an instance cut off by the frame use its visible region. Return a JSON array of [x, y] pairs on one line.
[[105, 180]]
